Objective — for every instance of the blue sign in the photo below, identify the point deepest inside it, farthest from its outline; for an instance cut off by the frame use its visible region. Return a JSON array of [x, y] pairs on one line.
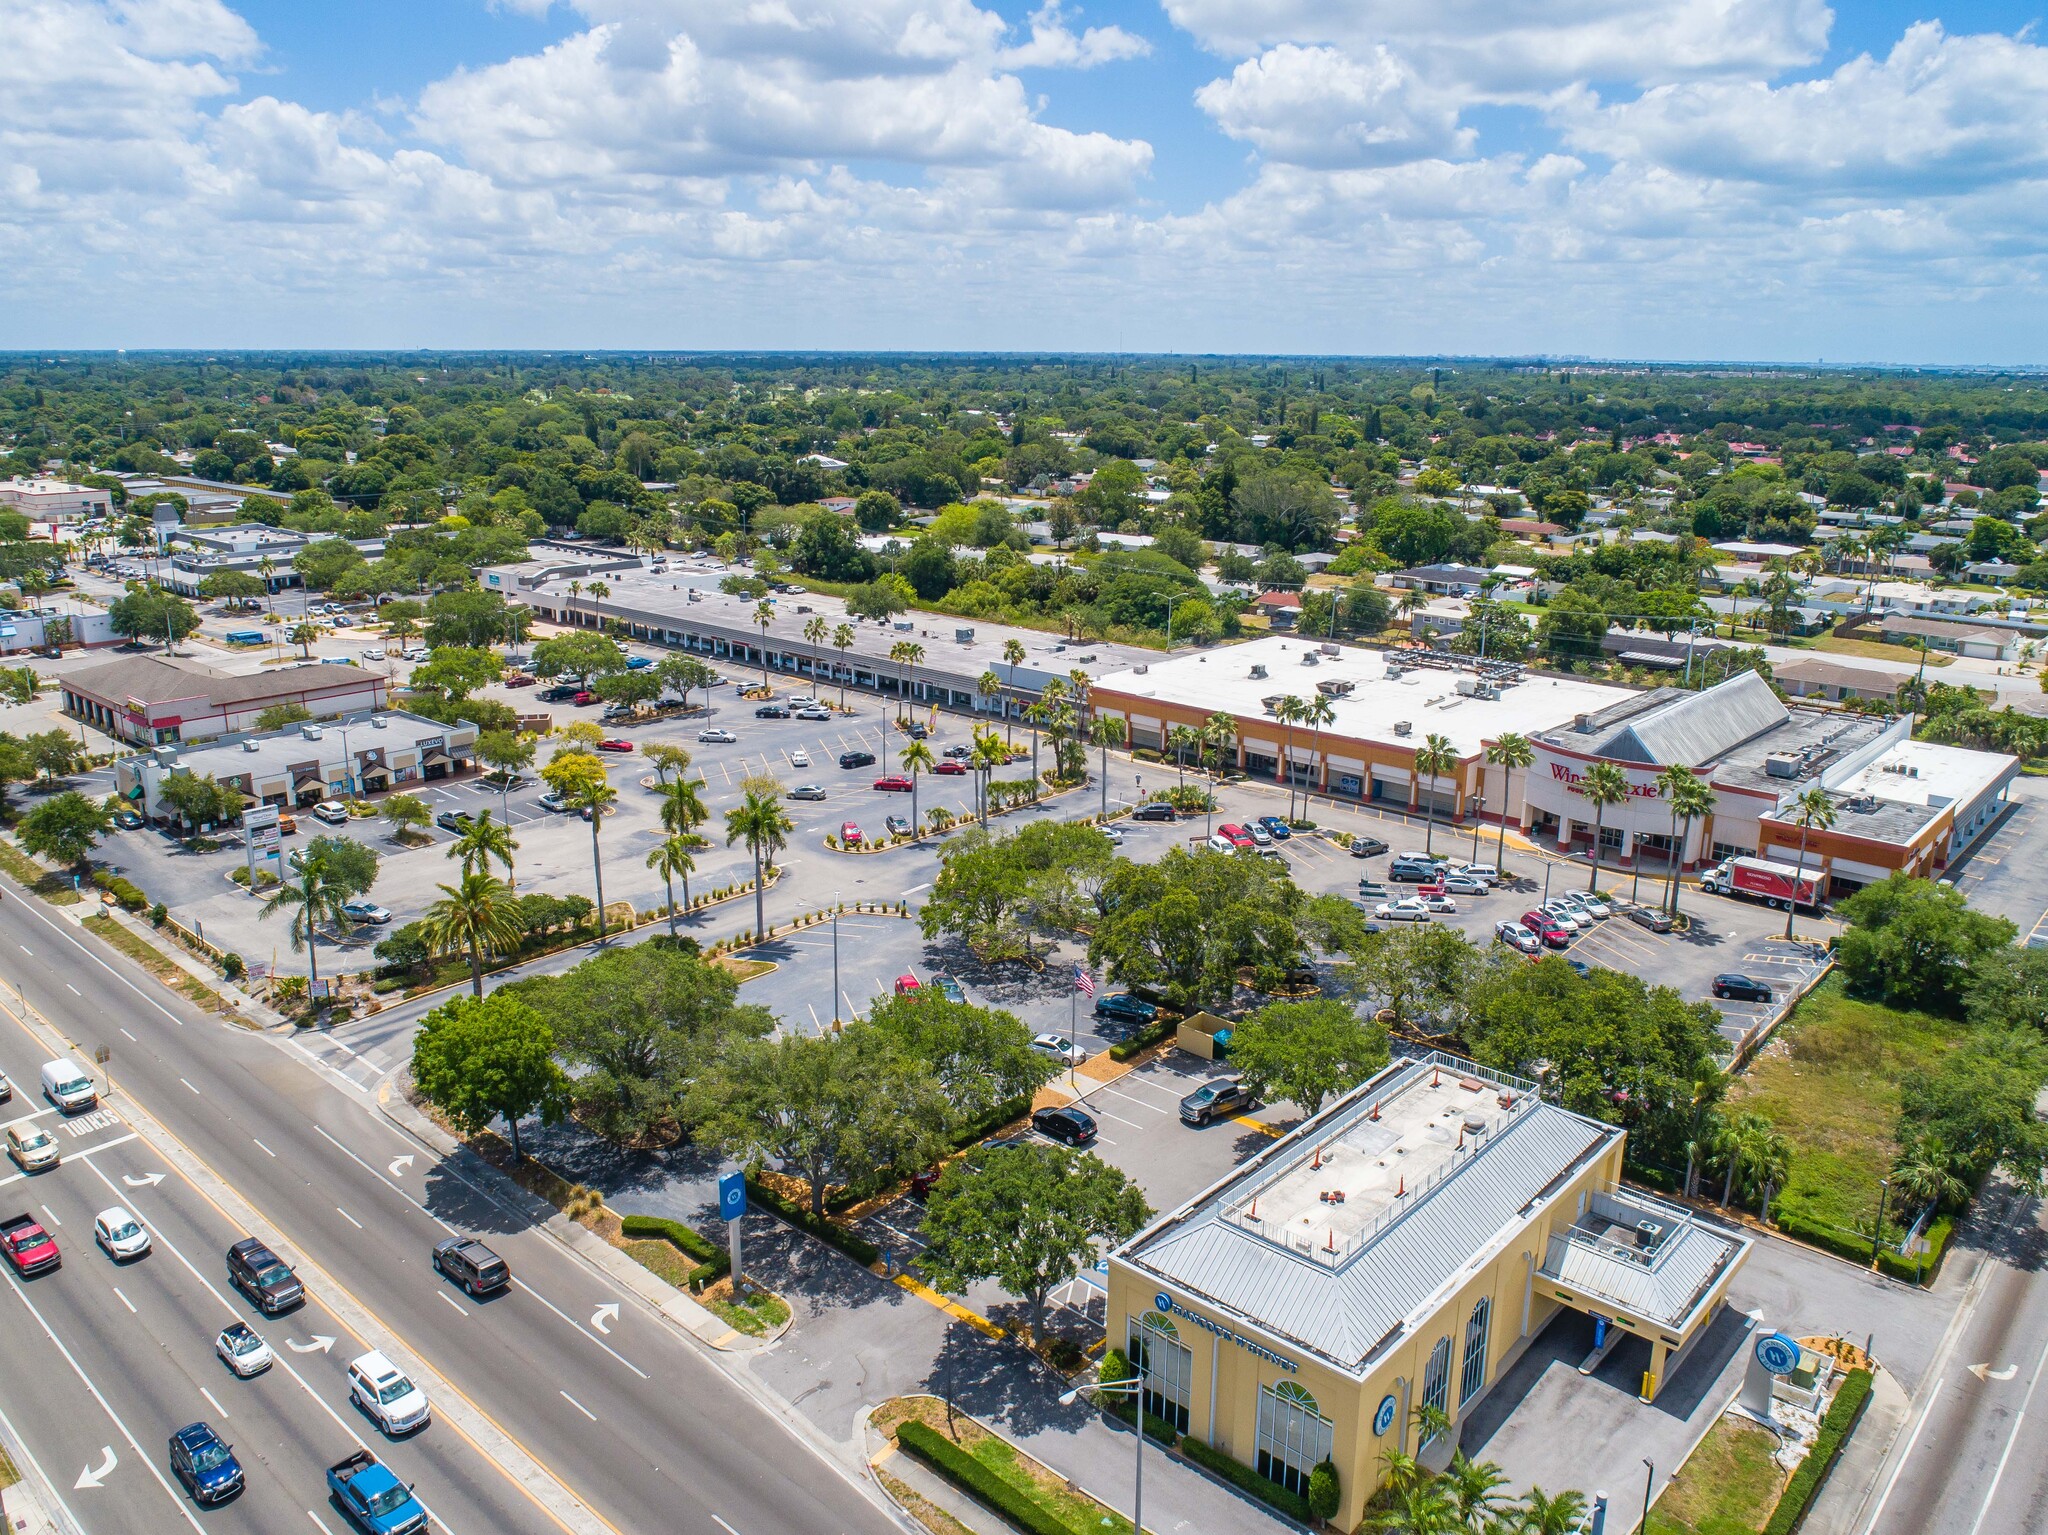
[[732, 1195], [1171, 1307], [1777, 1353], [1384, 1418]]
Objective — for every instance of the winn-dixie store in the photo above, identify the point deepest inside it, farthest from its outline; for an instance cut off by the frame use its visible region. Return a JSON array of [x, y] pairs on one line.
[[1399, 1252]]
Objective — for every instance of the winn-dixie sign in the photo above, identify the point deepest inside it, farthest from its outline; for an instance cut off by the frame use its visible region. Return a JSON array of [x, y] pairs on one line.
[[1575, 781]]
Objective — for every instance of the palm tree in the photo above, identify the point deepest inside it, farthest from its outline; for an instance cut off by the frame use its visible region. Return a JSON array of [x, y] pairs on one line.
[[575, 591], [814, 636], [1216, 732], [1926, 1173], [842, 641], [1036, 715], [598, 590], [1475, 1490], [484, 842], [1106, 731], [918, 760], [1814, 808], [764, 615], [1178, 740], [912, 657], [1320, 712], [266, 568], [592, 796], [682, 806], [1691, 801], [670, 859], [478, 916], [1604, 785], [1289, 711], [1013, 657], [1435, 758], [1510, 752], [760, 822], [989, 754], [313, 897], [304, 636], [1543, 1514], [988, 686]]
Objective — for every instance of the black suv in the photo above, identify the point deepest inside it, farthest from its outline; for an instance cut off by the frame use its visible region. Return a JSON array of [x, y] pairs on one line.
[[560, 693], [1065, 1124], [1156, 811], [264, 1277], [856, 759], [472, 1265], [1213, 1098]]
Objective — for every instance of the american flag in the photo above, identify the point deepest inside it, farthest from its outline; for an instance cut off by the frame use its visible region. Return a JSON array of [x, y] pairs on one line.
[[1083, 981]]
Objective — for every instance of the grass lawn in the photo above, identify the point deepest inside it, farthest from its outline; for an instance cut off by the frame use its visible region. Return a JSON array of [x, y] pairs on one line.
[[1830, 1082], [759, 1312], [52, 887], [1877, 650], [1074, 1509], [1729, 1487], [147, 956]]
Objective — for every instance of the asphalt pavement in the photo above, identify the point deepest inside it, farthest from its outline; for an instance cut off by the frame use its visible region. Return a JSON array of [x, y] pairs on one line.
[[636, 1427]]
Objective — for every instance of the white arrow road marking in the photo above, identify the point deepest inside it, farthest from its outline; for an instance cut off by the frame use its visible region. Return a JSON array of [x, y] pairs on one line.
[[1985, 1372], [319, 1345], [92, 1476], [398, 1163], [147, 1180], [604, 1315]]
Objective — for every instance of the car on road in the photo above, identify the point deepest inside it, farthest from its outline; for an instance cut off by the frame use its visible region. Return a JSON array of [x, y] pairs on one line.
[[1547, 927], [1059, 1048], [1515, 936], [1064, 1124], [28, 1247], [366, 911], [895, 825], [772, 712], [949, 988], [814, 713], [807, 791], [1276, 828], [716, 735], [1651, 918], [894, 783], [1367, 847], [128, 820], [387, 1394], [373, 1497], [614, 744], [1124, 1008], [32, 1147], [553, 801], [1227, 1096], [849, 833], [1410, 908], [856, 759], [264, 1277], [6, 1087], [1741, 988], [799, 758], [120, 1234], [242, 1349], [205, 1464], [1155, 811], [950, 769], [332, 811]]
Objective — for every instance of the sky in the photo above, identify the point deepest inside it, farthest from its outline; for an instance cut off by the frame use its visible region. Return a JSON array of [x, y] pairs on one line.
[[1767, 180]]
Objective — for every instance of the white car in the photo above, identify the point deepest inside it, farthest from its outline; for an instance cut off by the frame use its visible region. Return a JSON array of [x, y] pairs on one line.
[[416, 652], [1566, 916], [1591, 905], [242, 1349], [799, 758], [1485, 873], [1057, 1045], [387, 1394], [1408, 909], [814, 712], [120, 1234], [332, 811], [1114, 833], [1441, 904], [717, 736], [373, 653], [1464, 884]]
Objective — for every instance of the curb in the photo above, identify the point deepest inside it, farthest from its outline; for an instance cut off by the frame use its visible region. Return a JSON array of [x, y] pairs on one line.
[[685, 1314]]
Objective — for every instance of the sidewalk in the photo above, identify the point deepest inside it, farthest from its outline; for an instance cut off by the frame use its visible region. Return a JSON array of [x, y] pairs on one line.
[[244, 1006], [1851, 1488]]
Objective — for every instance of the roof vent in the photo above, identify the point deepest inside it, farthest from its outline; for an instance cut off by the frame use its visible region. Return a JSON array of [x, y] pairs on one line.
[[1583, 724], [378, 722], [311, 732], [1141, 668], [1258, 669], [252, 746], [1404, 728], [1329, 650]]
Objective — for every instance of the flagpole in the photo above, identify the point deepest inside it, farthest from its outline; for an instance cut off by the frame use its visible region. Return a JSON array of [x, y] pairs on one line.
[[1073, 1012]]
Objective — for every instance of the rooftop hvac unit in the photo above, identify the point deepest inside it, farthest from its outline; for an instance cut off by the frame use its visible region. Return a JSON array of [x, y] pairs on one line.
[[963, 636], [1404, 728], [1309, 658], [1141, 668], [1329, 650], [1469, 687], [1258, 669], [1335, 687], [1583, 724], [252, 746], [1784, 764], [311, 732], [378, 722], [1273, 703]]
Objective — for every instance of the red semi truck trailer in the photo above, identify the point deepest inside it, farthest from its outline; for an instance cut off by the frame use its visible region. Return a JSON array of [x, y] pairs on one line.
[[1775, 884]]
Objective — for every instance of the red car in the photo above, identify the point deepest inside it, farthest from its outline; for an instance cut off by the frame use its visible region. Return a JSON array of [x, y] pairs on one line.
[[951, 768], [895, 783], [849, 833], [615, 745], [1545, 928], [519, 680], [584, 696]]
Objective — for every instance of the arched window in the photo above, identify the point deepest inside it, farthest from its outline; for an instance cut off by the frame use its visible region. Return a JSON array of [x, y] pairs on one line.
[[1293, 1437], [1436, 1381], [1168, 1368], [1476, 1329]]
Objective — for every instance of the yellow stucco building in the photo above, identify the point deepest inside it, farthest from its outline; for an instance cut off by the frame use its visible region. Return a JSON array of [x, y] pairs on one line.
[[1398, 1251]]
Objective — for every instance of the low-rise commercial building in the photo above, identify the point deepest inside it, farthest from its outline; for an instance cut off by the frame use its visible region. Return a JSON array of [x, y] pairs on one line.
[[1399, 1251], [54, 501], [154, 700], [308, 763], [251, 548]]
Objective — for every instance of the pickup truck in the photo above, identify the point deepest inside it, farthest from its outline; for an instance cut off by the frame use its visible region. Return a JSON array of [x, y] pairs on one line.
[[29, 1248], [374, 1497]]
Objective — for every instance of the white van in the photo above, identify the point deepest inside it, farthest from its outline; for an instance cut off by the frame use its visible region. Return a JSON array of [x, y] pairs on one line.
[[69, 1085]]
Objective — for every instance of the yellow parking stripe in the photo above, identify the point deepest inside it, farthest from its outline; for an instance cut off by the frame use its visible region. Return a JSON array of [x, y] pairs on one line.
[[927, 1294], [1252, 1124]]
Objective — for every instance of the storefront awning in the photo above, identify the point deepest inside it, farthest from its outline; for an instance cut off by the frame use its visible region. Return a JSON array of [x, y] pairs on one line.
[[434, 758]]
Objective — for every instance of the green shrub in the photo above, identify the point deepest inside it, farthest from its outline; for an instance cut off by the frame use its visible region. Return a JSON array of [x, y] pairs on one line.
[[978, 1480], [125, 892], [1856, 1247], [1153, 1032], [713, 1261], [1850, 1399], [1245, 1479], [857, 1248], [1324, 1494], [159, 914]]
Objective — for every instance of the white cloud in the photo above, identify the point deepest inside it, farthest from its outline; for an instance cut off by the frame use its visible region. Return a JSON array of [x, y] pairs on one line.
[[1055, 45], [1319, 106]]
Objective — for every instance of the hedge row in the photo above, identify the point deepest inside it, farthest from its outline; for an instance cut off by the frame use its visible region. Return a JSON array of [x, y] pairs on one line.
[[857, 1248], [1245, 1479], [126, 892], [1852, 1245], [1850, 1399], [713, 1261], [1144, 1039], [978, 1481]]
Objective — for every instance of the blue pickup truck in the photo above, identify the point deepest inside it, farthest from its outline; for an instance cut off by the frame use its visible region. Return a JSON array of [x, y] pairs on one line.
[[374, 1497]]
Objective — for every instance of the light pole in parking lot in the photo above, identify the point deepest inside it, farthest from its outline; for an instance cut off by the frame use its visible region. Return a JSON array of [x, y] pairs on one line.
[[1134, 1386], [348, 763], [835, 971], [1474, 806]]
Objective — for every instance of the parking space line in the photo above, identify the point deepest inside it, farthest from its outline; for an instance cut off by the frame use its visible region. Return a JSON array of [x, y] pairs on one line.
[[952, 1308], [1259, 1125]]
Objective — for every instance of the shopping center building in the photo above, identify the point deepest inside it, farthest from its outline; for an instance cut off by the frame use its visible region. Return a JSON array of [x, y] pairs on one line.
[[1400, 1251]]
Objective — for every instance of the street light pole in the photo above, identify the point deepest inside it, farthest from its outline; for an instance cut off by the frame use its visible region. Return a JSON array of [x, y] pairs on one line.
[[1884, 1187], [1649, 1476], [1136, 1386], [835, 970]]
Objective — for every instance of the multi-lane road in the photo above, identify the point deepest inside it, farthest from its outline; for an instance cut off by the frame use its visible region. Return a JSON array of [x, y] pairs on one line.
[[560, 1405]]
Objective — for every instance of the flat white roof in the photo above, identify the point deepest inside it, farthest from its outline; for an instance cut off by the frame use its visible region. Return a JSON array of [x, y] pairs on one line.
[[1426, 699], [1924, 773]]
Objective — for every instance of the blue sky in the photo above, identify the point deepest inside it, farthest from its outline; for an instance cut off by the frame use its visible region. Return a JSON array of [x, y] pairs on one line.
[[1665, 178]]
